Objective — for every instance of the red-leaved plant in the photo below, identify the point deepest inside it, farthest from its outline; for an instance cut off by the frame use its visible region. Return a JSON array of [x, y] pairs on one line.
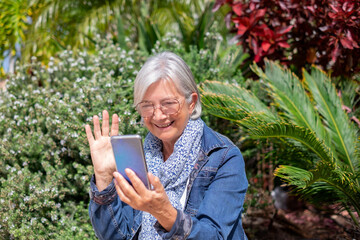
[[299, 32]]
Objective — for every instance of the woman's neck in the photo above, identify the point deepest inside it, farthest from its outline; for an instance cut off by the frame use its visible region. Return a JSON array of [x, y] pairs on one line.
[[167, 150]]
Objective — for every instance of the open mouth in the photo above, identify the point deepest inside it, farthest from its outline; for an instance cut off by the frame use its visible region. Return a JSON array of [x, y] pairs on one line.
[[164, 125]]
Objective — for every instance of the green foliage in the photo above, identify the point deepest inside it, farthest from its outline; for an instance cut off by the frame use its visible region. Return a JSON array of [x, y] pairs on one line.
[[311, 119], [45, 166], [13, 22], [44, 27]]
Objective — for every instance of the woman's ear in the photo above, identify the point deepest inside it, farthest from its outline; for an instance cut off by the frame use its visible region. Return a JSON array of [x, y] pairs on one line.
[[194, 98]]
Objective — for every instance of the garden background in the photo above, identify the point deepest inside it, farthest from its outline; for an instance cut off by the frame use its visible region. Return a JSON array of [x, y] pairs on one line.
[[278, 77]]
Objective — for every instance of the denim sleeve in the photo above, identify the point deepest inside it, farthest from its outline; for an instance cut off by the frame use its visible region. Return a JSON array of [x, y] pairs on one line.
[[180, 230], [109, 216], [219, 214]]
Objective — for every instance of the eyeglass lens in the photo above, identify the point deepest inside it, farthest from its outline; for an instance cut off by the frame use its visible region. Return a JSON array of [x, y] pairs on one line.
[[168, 107]]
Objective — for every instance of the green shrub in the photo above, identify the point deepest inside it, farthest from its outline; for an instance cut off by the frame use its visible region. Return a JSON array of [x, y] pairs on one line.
[[45, 165]]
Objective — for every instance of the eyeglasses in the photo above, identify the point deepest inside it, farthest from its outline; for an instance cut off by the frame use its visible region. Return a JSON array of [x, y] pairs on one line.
[[168, 106]]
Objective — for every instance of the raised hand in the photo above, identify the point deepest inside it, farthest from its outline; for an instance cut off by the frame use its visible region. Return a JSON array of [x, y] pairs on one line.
[[100, 148]]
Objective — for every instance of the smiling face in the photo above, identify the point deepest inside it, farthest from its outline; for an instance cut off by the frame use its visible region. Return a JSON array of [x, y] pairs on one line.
[[167, 128]]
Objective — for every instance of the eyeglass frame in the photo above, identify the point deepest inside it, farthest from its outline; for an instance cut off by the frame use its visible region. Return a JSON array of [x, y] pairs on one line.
[[159, 107]]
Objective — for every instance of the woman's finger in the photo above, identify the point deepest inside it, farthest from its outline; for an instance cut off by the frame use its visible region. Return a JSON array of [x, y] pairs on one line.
[[119, 191], [97, 131], [136, 182], [89, 135], [114, 125], [105, 124], [126, 188], [155, 182]]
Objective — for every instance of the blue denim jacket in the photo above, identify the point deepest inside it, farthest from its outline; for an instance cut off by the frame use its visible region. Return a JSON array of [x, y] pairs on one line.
[[214, 201]]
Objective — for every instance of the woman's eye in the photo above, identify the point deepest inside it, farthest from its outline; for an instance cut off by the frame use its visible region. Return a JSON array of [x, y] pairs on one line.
[[147, 106], [169, 103]]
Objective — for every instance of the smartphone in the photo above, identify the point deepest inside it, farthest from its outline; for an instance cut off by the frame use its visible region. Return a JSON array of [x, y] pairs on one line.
[[129, 153]]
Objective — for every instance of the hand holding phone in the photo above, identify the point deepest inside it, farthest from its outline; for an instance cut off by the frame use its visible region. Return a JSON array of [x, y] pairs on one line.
[[129, 153]]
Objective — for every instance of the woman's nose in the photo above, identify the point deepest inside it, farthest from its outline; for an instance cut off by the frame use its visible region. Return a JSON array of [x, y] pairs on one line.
[[158, 114]]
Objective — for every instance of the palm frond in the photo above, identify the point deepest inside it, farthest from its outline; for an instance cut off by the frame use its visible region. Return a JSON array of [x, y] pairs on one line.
[[326, 179], [342, 131], [293, 153], [289, 94], [292, 131], [206, 19], [234, 101]]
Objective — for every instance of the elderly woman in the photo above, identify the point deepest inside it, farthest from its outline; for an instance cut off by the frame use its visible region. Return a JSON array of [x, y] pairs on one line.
[[198, 175]]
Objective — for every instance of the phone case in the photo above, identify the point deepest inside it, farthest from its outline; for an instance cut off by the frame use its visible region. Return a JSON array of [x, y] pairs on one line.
[[129, 153]]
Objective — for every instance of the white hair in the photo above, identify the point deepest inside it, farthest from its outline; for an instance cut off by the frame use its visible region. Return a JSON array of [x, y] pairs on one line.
[[169, 67]]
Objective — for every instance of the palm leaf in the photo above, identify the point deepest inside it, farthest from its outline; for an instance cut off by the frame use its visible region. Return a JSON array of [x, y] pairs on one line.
[[292, 131], [205, 21], [289, 94], [342, 132], [326, 182], [232, 100]]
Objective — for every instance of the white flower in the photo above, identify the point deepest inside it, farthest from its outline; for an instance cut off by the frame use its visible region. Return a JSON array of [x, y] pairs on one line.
[[130, 59], [32, 220]]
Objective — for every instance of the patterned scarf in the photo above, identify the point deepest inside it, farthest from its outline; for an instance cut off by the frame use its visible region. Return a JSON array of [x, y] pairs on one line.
[[174, 172]]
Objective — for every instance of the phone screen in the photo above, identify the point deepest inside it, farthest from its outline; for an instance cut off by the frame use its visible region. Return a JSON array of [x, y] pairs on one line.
[[129, 153]]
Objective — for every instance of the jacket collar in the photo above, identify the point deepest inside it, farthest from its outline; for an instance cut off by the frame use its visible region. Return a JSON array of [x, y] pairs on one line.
[[211, 140]]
